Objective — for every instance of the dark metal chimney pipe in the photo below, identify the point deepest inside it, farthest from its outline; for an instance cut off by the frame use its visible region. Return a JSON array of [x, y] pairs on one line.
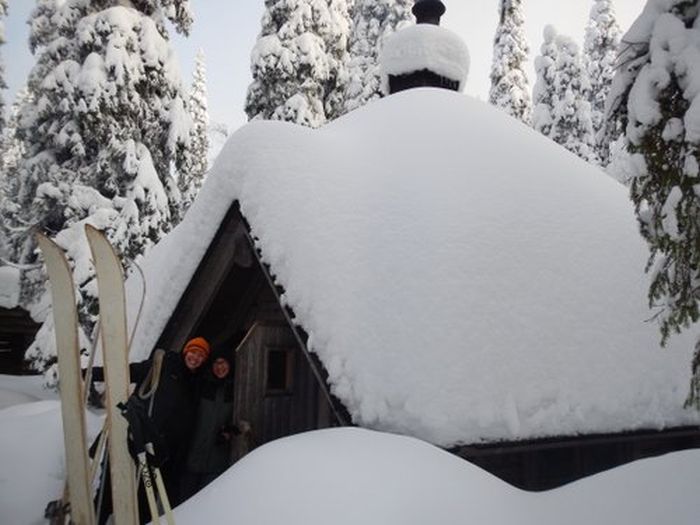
[[428, 11]]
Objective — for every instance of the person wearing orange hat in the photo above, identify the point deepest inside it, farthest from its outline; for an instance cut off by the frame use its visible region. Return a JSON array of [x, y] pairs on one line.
[[167, 391], [196, 352]]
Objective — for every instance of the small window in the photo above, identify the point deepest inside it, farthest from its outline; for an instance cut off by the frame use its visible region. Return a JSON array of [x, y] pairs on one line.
[[279, 369]]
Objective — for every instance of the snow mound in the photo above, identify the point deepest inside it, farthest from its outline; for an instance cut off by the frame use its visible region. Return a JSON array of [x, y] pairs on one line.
[[358, 476], [32, 459], [462, 278], [424, 46], [10, 398]]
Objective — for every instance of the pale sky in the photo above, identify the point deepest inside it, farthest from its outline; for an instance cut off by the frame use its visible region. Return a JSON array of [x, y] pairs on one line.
[[226, 30]]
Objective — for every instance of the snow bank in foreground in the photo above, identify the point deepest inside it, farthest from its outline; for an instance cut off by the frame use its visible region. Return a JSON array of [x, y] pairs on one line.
[[31, 460], [461, 277], [351, 476]]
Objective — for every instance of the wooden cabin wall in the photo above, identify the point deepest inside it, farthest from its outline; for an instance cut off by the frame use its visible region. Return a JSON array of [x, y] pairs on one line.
[[549, 463], [279, 413]]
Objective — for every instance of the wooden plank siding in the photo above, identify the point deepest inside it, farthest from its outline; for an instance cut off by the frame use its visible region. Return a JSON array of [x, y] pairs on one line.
[[548, 463], [274, 414]]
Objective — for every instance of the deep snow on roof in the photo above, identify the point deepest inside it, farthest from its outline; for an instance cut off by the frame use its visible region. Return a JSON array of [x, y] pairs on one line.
[[461, 277]]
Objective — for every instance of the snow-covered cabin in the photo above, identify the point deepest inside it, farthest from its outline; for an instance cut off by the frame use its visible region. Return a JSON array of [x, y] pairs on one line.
[[429, 266], [17, 328]]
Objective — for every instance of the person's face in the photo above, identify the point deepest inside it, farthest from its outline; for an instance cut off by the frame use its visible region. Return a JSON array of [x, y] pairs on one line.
[[221, 368], [193, 360]]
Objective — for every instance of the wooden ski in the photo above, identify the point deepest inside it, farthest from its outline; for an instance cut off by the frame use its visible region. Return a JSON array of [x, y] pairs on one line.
[[115, 352], [71, 386]]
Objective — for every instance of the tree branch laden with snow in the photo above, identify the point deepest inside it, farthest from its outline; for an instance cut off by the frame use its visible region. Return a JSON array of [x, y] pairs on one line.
[[600, 50], [655, 97], [298, 62], [509, 84], [104, 137], [372, 22]]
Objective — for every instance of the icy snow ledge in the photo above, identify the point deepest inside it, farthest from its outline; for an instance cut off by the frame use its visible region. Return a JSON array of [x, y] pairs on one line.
[[9, 287], [424, 46], [352, 476]]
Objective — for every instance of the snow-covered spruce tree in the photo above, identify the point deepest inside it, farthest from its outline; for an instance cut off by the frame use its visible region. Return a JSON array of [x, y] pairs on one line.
[[11, 151], [599, 54], [196, 162], [571, 113], [656, 97], [107, 130], [543, 93], [3, 85], [510, 89], [298, 62], [372, 21]]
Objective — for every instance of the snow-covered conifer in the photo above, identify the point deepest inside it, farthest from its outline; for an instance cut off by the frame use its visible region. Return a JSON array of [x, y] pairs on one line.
[[11, 151], [372, 21], [298, 62], [599, 54], [543, 93], [656, 97], [196, 164], [106, 132], [571, 114], [509, 85]]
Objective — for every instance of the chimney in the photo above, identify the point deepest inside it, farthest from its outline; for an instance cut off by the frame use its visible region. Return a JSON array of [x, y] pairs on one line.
[[424, 55], [428, 11]]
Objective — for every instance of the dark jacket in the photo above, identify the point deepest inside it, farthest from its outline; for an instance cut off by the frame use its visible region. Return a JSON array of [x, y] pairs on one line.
[[210, 448], [173, 412]]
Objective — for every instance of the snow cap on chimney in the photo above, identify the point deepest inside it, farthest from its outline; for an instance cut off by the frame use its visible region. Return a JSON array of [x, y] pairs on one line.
[[424, 55]]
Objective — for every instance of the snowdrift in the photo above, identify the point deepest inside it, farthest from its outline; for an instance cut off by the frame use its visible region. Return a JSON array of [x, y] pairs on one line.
[[462, 278], [350, 476]]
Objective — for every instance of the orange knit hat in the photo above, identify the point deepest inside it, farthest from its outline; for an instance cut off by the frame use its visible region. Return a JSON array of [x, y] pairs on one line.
[[198, 344]]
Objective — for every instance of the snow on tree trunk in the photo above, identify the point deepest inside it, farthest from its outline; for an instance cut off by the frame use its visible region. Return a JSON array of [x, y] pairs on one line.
[[600, 53], [571, 114], [3, 85], [11, 151], [103, 139], [298, 62], [655, 96], [196, 164], [509, 85], [543, 93], [372, 22]]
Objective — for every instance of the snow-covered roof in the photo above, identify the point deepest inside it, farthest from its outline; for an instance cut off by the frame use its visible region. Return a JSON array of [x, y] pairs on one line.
[[461, 277], [424, 46], [9, 287]]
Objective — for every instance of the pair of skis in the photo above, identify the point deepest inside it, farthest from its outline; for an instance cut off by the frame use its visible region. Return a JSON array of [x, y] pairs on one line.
[[115, 348]]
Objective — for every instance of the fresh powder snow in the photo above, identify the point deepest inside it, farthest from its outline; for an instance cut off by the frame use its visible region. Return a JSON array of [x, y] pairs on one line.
[[374, 478], [462, 278], [350, 476], [31, 449]]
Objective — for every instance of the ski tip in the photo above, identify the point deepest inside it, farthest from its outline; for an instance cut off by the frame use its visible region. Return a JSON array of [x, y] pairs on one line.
[[42, 239], [91, 231], [49, 249]]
